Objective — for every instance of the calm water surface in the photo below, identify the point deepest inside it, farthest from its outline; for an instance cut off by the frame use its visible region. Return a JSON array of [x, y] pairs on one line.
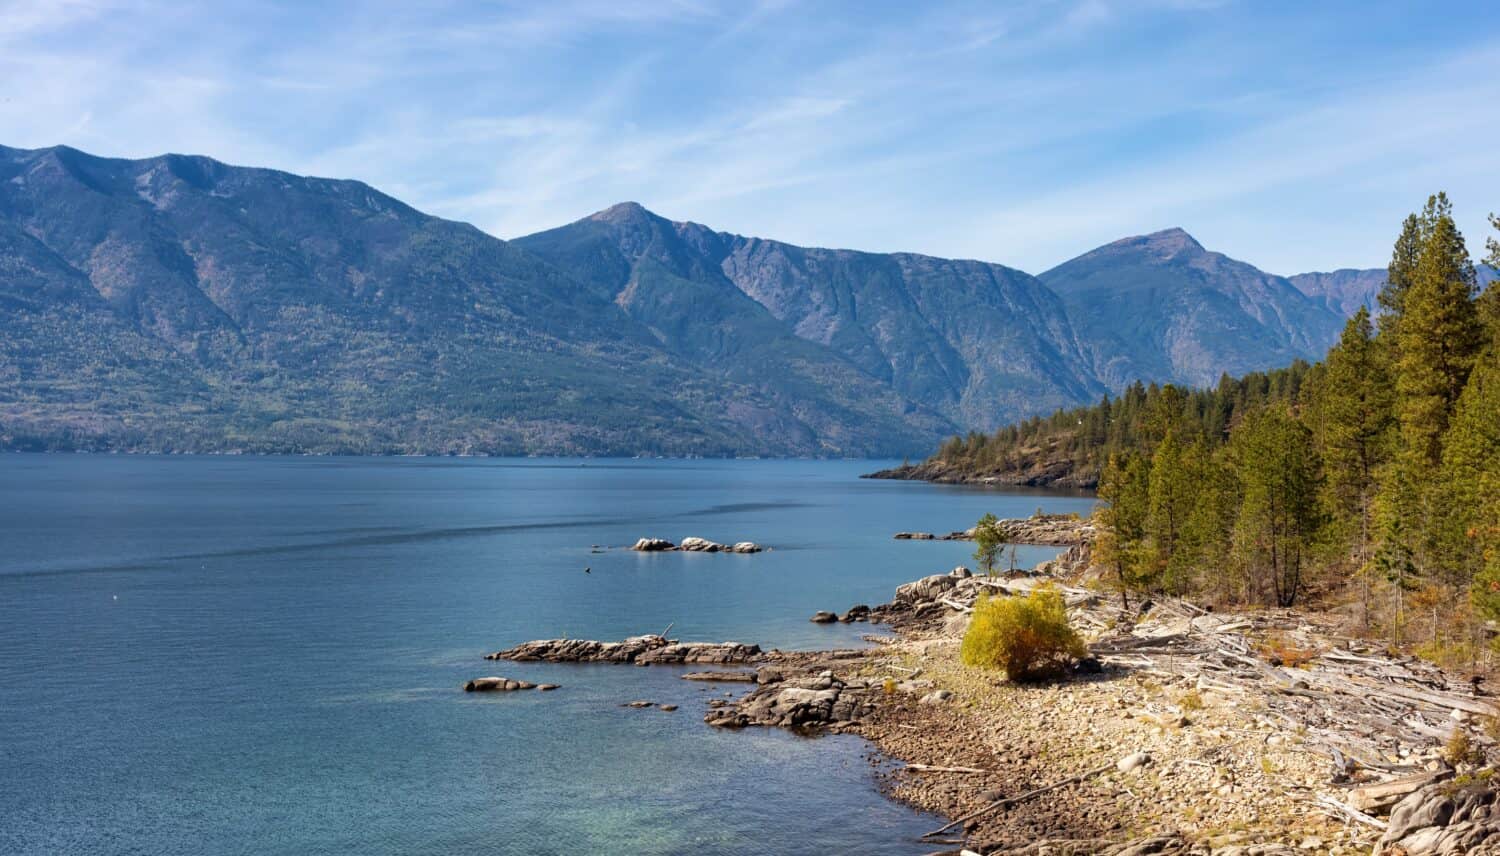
[[263, 655]]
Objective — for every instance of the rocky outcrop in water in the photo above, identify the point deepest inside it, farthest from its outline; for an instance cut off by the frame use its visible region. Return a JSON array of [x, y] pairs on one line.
[[498, 684], [803, 703], [695, 545], [641, 650], [1047, 530]]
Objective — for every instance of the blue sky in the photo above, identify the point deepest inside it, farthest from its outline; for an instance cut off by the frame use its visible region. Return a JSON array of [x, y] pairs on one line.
[[1292, 135]]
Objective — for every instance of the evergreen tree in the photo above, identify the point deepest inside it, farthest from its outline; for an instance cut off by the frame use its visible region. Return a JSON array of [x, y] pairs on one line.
[[1278, 519], [1437, 340], [1171, 492], [988, 542], [1471, 477], [1124, 488], [1355, 406]]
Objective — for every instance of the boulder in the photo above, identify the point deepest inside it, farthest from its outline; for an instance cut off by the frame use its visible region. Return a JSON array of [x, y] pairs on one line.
[[937, 697], [1445, 819], [747, 547], [654, 545], [701, 545], [915, 536], [925, 589], [858, 612], [496, 684], [823, 617], [808, 703], [960, 573], [1133, 761]]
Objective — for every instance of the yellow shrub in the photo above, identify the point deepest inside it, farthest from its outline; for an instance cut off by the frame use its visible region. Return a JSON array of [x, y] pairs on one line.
[[1028, 637]]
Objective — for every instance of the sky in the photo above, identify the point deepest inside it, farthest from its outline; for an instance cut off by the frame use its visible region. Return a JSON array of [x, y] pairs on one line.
[[1292, 135]]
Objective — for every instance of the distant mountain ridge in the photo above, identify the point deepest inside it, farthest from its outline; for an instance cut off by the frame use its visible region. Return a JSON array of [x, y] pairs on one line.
[[979, 343], [1347, 289], [178, 303], [1162, 307]]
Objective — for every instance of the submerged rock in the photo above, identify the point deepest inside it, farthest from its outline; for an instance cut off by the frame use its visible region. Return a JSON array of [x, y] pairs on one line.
[[915, 536], [721, 677], [823, 617]]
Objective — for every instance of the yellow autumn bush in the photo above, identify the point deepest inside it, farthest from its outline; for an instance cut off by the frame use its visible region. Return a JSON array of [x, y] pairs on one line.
[[1029, 637]]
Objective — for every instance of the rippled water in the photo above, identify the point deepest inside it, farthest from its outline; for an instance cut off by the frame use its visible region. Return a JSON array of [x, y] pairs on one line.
[[263, 655]]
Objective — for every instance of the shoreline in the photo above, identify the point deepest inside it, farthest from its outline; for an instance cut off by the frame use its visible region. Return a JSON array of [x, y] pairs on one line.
[[1057, 476], [1184, 731]]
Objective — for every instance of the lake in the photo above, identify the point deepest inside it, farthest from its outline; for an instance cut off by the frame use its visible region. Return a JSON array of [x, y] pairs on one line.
[[264, 655]]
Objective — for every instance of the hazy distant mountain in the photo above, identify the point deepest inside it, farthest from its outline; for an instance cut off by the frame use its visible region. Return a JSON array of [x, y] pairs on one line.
[[1162, 307], [177, 303], [979, 343], [1345, 290]]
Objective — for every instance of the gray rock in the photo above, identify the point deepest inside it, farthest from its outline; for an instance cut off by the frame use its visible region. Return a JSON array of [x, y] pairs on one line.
[[927, 588], [496, 684], [1133, 761], [640, 650], [823, 616], [654, 545], [858, 612]]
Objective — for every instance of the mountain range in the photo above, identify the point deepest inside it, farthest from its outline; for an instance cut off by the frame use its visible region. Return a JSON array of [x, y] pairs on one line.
[[177, 303]]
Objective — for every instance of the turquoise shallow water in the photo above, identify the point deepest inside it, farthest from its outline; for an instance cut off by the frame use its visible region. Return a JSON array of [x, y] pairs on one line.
[[263, 655]]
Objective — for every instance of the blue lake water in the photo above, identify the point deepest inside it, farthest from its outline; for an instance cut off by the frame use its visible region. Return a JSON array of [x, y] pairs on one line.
[[264, 655]]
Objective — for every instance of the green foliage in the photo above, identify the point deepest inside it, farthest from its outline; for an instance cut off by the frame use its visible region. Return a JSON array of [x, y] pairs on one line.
[[988, 541], [1378, 468], [1279, 515], [1029, 637], [1436, 341]]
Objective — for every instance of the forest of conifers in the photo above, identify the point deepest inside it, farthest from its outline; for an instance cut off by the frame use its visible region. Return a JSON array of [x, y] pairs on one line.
[[1368, 482]]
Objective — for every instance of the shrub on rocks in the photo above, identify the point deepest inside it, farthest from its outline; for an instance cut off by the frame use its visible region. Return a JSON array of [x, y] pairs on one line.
[[1029, 637]]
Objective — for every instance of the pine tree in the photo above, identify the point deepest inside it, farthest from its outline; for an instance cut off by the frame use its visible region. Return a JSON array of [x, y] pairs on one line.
[[1471, 477], [1355, 406], [1400, 271], [1124, 488], [1170, 496], [1279, 517]]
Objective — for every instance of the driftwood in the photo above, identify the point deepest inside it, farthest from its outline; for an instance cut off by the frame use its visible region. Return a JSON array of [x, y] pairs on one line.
[[1386, 794], [1338, 809], [999, 804]]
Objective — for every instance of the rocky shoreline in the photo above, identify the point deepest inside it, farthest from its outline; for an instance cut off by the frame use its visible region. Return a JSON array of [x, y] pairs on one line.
[[1183, 731], [1054, 474]]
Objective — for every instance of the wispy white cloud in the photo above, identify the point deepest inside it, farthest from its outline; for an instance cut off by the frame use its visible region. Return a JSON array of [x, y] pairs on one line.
[[1020, 132]]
